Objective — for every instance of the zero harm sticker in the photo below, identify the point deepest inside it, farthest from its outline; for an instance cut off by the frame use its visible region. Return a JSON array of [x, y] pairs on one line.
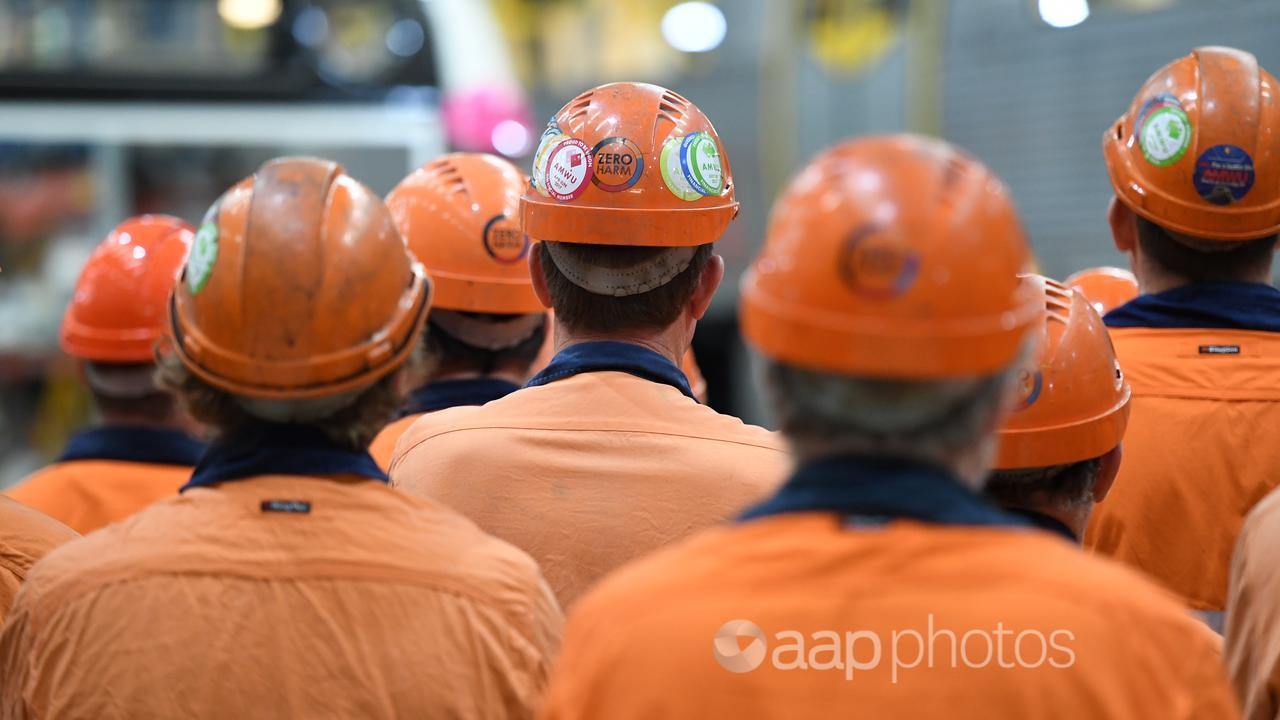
[[1165, 135], [204, 252], [504, 241], [568, 169], [618, 164], [691, 166], [1224, 174]]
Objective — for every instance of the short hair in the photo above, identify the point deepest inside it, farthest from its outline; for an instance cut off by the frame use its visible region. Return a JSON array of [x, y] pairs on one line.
[[1200, 260], [1062, 487], [583, 311], [445, 351], [127, 389], [929, 421], [353, 425]]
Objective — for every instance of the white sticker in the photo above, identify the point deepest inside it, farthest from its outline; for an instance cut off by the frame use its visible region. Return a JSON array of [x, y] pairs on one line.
[[551, 136], [204, 253], [1165, 135], [691, 166], [568, 169], [672, 174]]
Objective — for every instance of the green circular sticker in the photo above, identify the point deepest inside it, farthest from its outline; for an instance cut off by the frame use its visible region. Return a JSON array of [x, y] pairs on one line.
[[204, 253], [701, 158], [672, 172], [1165, 135]]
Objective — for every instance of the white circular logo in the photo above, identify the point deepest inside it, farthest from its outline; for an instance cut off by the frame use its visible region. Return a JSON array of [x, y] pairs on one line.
[[568, 169], [204, 253], [729, 650], [1165, 135], [550, 137], [701, 159]]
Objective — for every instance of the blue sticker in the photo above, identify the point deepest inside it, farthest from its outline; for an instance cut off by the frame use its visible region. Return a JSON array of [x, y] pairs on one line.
[[1224, 174]]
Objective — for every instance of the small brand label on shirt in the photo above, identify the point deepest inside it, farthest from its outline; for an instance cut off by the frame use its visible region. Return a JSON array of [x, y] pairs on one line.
[[301, 507], [1219, 349]]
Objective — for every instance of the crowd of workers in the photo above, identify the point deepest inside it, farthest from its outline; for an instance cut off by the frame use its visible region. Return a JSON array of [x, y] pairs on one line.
[[437, 421]]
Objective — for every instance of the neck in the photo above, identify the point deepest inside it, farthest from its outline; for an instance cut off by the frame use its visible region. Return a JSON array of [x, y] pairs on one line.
[[1076, 518], [116, 419], [1153, 279], [510, 374], [671, 342]]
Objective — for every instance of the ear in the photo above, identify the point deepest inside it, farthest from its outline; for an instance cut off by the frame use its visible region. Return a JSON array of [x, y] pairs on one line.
[[535, 274], [1107, 474], [708, 283], [1124, 226]]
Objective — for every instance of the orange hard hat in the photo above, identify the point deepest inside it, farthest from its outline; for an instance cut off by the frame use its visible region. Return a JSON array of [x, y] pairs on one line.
[[1074, 401], [118, 311], [894, 257], [1196, 152], [1106, 287], [298, 286], [460, 216], [629, 164]]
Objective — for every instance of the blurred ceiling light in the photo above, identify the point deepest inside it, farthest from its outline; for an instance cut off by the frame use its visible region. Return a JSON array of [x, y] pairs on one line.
[[311, 27], [694, 27], [510, 137], [405, 37], [249, 14], [1064, 13]]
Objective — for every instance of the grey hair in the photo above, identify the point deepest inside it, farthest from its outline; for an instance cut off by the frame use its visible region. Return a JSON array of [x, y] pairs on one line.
[[935, 422]]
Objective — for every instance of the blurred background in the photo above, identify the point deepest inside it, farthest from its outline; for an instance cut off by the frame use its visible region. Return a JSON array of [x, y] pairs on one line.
[[110, 108]]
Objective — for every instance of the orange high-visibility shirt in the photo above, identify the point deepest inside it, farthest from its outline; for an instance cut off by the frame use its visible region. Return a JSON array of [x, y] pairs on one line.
[[282, 596], [25, 537], [108, 473], [592, 469], [1199, 452], [1252, 646], [940, 612], [434, 396]]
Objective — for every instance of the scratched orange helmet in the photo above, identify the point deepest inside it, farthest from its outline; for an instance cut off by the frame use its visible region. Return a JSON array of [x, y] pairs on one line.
[[297, 286], [1198, 149], [460, 216], [629, 164], [1074, 400], [1106, 287], [118, 311], [894, 257]]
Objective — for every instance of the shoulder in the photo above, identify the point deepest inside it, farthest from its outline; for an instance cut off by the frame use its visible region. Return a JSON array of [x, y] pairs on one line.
[[26, 535]]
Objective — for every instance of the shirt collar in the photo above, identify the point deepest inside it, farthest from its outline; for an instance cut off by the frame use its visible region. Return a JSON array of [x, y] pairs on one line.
[[1046, 522], [452, 393], [281, 450], [1211, 305], [134, 443], [877, 490], [609, 355]]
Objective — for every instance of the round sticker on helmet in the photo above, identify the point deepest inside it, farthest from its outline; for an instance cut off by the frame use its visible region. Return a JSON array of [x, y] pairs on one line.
[[1223, 174], [617, 164], [673, 175], [568, 169], [700, 163], [550, 137], [876, 265], [1165, 135], [1030, 385], [204, 253], [504, 241]]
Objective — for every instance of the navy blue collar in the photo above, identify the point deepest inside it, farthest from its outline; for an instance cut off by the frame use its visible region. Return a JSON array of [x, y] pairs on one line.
[[1216, 305], [281, 450], [443, 394], [1045, 522], [604, 355], [876, 490], [134, 443]]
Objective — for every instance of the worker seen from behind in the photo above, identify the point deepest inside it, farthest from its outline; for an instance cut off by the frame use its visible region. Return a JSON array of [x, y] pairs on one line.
[[1060, 447], [288, 579], [1195, 167], [139, 451], [606, 455], [878, 581], [459, 215]]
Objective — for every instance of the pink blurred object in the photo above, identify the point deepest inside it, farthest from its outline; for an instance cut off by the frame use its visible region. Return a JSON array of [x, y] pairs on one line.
[[488, 119]]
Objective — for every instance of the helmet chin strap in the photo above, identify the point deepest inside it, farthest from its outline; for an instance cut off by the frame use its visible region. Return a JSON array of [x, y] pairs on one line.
[[623, 282]]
